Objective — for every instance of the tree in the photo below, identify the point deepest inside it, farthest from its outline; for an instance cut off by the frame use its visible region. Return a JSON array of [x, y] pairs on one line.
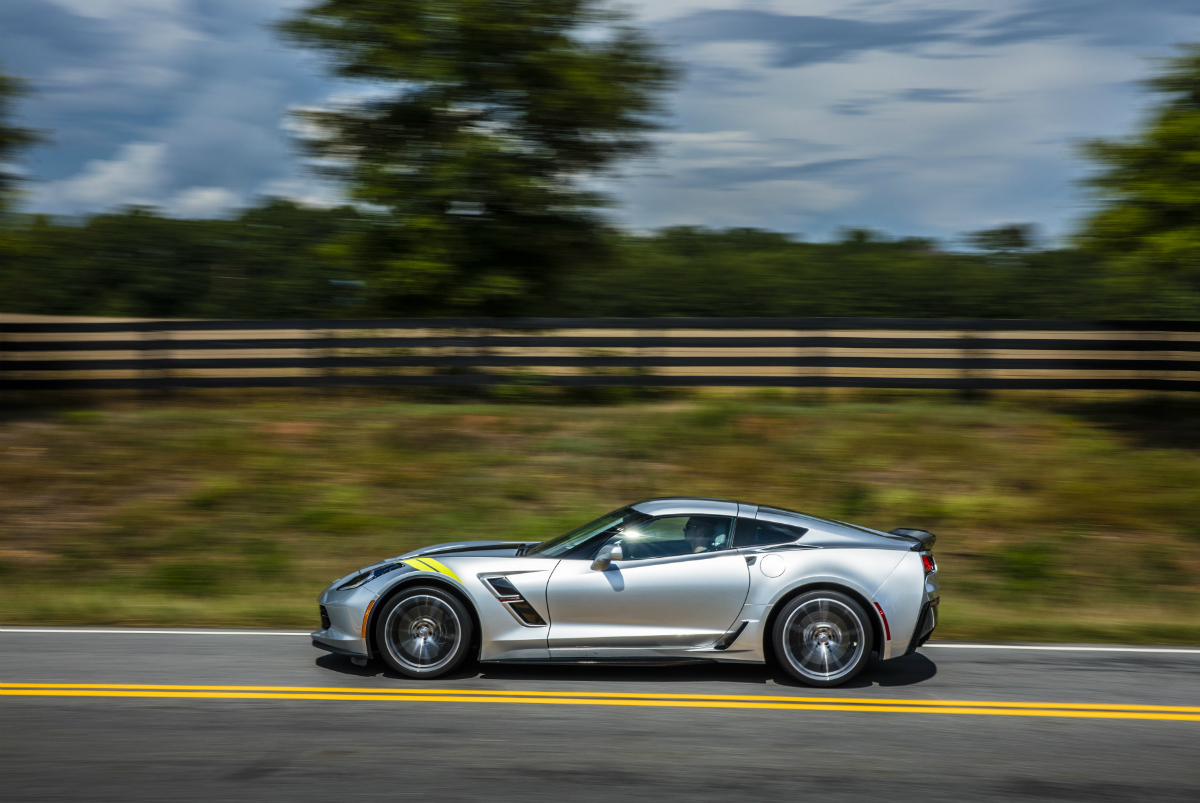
[[1005, 240], [271, 261], [1148, 190], [13, 139], [484, 122]]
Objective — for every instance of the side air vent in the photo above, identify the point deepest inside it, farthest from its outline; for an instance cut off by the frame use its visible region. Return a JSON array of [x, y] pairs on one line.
[[517, 605], [730, 637], [325, 623]]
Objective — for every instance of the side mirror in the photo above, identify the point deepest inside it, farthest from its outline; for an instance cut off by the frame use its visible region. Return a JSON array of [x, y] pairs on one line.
[[606, 556]]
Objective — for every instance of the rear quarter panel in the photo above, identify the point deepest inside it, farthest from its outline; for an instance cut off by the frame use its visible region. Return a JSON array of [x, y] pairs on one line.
[[862, 570], [901, 597]]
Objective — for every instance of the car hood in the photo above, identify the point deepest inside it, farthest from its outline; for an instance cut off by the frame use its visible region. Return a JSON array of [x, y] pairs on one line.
[[483, 549]]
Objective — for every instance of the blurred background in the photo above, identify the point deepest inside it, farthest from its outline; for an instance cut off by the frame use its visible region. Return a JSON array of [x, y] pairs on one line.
[[356, 202]]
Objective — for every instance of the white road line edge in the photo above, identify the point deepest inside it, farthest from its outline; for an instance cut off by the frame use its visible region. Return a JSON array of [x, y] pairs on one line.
[[1056, 648], [153, 632]]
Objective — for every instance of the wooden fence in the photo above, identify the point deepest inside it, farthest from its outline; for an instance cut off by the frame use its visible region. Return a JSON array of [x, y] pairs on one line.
[[968, 355]]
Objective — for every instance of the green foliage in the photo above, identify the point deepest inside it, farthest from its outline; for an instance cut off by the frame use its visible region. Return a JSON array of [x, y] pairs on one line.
[[483, 121], [1026, 566], [1148, 188], [276, 259], [279, 260], [193, 578], [1005, 239], [746, 272]]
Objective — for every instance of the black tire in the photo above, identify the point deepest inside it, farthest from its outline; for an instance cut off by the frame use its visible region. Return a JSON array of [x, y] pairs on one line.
[[424, 632], [822, 638]]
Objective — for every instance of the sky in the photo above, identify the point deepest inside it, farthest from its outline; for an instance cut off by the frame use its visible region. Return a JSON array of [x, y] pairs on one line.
[[929, 118]]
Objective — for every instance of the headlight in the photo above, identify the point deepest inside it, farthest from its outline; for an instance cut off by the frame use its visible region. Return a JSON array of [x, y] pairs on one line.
[[367, 576]]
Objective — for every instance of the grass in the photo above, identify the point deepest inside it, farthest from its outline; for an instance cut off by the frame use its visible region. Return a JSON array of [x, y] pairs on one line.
[[1067, 524]]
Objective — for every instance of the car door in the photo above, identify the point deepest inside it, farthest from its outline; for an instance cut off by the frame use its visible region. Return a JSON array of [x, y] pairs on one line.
[[662, 595]]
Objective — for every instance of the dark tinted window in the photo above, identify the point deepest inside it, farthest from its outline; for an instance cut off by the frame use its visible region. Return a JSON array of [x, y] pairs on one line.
[[765, 533], [669, 536]]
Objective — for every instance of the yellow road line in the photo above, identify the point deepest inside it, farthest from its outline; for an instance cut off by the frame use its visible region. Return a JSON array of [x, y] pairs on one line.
[[1068, 710], [342, 690]]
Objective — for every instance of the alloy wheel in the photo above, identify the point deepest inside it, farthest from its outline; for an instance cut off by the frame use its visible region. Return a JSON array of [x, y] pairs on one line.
[[824, 639], [422, 632]]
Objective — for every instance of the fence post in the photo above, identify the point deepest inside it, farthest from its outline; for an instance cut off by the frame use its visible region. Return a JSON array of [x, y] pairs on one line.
[[822, 370], [1160, 399], [155, 361], [328, 359], [972, 351], [4, 367]]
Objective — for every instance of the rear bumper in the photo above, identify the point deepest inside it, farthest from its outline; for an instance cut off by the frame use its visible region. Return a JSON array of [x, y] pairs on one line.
[[926, 624]]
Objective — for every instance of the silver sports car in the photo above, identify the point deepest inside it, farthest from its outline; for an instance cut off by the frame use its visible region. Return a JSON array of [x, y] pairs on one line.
[[661, 581]]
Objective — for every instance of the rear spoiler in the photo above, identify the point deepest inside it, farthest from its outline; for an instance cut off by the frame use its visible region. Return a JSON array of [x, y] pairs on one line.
[[924, 539]]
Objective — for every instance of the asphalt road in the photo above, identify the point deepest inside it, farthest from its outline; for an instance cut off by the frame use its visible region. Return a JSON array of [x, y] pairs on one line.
[[946, 724]]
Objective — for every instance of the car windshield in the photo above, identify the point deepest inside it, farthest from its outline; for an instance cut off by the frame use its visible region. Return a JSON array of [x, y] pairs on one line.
[[580, 536]]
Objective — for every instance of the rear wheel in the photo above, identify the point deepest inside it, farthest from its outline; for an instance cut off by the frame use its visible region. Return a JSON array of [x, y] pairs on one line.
[[423, 632], [822, 638]]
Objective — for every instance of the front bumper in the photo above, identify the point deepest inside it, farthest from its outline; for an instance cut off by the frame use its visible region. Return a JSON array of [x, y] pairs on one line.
[[343, 616], [322, 645], [334, 641]]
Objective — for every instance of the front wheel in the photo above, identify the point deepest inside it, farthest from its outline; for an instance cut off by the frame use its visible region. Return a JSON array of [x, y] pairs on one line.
[[423, 632], [822, 638]]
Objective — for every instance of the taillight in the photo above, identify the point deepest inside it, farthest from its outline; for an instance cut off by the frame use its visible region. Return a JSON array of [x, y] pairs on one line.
[[928, 562]]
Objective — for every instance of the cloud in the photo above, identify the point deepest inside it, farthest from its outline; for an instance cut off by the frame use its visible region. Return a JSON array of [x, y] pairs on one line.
[[204, 79], [1109, 22], [751, 174], [134, 177], [111, 9], [868, 103], [801, 40], [928, 95], [308, 192], [923, 117], [202, 202]]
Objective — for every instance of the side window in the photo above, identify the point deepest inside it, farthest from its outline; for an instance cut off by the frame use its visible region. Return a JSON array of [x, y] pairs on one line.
[[764, 533], [674, 535]]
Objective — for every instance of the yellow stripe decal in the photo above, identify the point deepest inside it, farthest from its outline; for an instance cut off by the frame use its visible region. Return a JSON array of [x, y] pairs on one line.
[[442, 568], [759, 702], [431, 565], [421, 565]]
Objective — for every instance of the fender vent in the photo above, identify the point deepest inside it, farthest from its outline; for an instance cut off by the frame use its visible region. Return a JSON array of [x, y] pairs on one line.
[[517, 605]]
